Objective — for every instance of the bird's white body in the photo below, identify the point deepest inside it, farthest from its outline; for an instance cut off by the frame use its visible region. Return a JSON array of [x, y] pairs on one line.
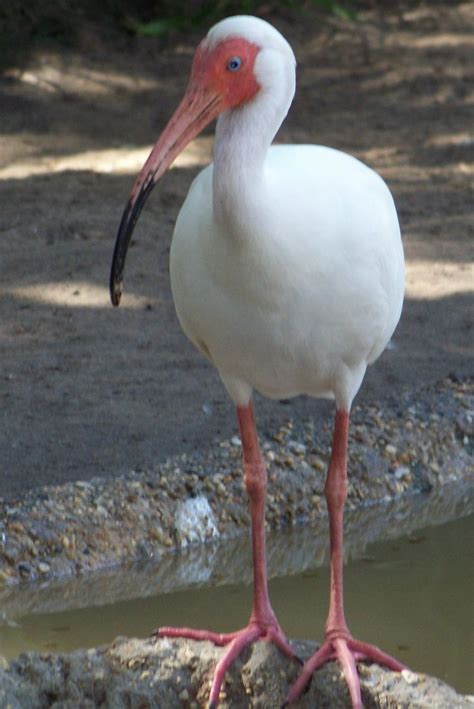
[[302, 286], [287, 265]]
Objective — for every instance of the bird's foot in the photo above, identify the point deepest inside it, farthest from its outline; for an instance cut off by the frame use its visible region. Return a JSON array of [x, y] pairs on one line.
[[236, 642], [343, 647]]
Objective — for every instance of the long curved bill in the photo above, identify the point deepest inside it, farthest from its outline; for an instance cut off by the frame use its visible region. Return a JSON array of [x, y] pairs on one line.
[[198, 108]]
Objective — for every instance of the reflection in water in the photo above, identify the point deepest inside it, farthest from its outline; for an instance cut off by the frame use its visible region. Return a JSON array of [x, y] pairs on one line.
[[411, 595]]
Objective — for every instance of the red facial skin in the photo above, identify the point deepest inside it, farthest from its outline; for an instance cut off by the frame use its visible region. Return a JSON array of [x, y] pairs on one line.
[[212, 89], [210, 71]]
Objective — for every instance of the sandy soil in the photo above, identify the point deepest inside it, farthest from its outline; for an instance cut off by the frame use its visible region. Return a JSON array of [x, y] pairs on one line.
[[89, 390]]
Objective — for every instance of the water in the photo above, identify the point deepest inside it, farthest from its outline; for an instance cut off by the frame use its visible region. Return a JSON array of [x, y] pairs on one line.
[[413, 596]]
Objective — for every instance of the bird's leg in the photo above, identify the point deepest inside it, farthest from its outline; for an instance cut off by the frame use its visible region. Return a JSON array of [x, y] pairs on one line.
[[255, 480], [335, 491], [262, 623], [338, 642]]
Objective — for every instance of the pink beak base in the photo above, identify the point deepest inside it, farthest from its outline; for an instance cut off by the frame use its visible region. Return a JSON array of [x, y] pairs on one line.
[[197, 109]]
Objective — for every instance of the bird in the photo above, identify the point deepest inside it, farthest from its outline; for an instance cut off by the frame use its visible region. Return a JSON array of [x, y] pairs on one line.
[[287, 274]]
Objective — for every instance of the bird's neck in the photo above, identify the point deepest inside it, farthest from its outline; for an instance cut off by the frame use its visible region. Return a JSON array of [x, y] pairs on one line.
[[240, 150], [243, 137]]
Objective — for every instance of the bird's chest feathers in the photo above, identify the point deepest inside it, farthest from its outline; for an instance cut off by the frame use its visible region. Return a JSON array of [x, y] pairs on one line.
[[244, 254]]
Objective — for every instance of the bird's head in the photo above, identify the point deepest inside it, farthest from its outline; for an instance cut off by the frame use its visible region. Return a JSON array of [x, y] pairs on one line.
[[230, 67]]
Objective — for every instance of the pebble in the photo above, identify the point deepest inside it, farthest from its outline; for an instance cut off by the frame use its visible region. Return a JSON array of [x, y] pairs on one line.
[[5, 577], [83, 485], [401, 472], [296, 447], [157, 534], [410, 677], [24, 569], [16, 527]]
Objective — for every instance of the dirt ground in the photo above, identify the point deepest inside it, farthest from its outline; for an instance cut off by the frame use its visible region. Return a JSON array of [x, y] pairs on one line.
[[89, 390]]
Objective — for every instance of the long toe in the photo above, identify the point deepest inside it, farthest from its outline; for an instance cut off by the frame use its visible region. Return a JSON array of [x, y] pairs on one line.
[[243, 640], [347, 660], [236, 642], [372, 653], [348, 652], [219, 639], [320, 657]]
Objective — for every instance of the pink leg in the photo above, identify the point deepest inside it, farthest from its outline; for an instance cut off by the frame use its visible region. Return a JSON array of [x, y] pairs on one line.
[[338, 642], [262, 623]]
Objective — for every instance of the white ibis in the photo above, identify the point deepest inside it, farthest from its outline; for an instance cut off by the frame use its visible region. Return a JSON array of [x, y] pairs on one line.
[[287, 273]]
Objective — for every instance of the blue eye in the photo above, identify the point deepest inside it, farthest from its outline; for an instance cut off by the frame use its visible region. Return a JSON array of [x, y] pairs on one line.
[[234, 64]]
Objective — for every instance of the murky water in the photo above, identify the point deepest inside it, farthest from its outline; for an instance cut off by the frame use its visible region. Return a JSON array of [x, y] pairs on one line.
[[412, 595]]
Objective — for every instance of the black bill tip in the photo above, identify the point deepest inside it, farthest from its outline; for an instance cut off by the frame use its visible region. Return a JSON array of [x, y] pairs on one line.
[[116, 292], [122, 242]]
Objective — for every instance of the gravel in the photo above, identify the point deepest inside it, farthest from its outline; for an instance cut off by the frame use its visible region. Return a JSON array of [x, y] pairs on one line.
[[419, 443]]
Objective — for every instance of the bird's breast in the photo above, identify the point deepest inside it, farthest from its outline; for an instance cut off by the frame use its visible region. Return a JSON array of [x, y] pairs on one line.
[[311, 280]]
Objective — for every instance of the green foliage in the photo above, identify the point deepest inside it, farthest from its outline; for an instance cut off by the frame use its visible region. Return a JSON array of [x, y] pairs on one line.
[[155, 28], [185, 15], [345, 11]]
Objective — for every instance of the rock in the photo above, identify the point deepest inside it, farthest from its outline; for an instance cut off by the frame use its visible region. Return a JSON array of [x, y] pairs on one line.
[[167, 673], [195, 521]]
